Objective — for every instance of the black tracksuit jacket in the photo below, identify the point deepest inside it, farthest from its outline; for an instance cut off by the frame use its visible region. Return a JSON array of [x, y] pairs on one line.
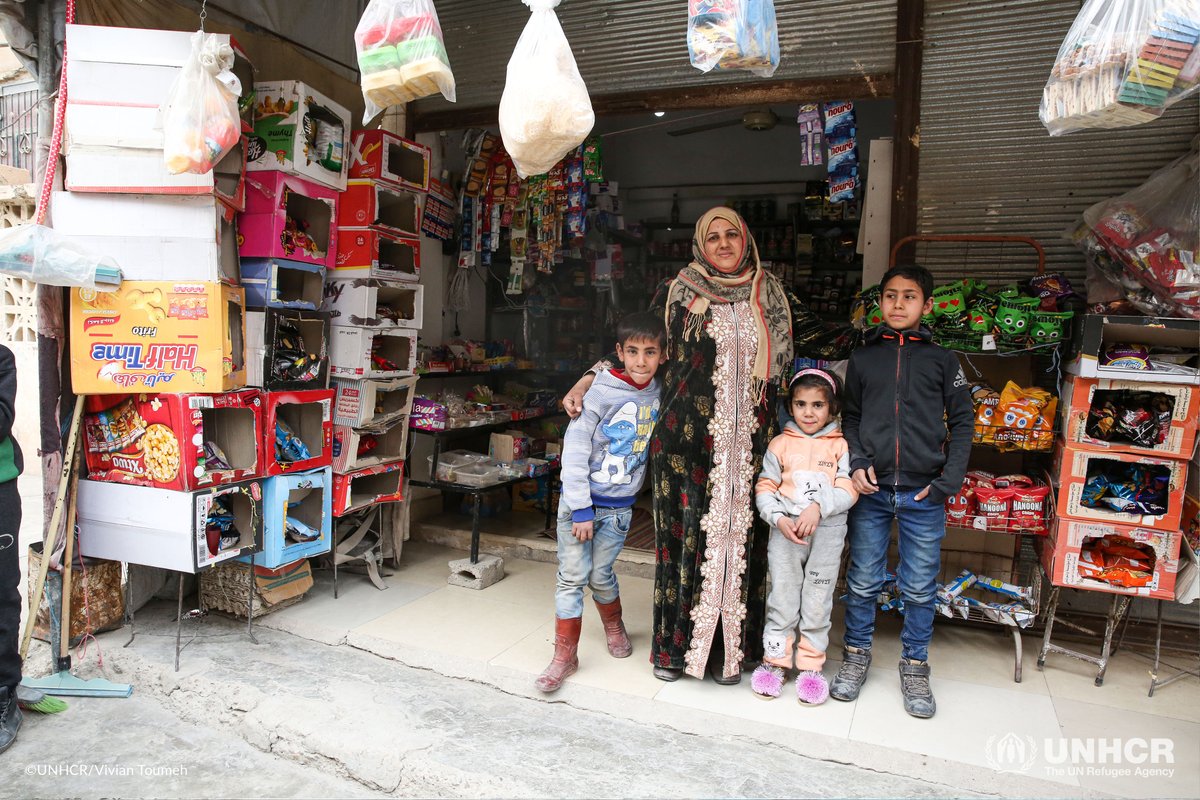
[[908, 412]]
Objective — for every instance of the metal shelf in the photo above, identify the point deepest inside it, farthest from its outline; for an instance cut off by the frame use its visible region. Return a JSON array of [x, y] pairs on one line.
[[452, 433]]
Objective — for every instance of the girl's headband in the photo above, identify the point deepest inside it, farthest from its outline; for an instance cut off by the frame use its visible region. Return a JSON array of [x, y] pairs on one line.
[[818, 372]]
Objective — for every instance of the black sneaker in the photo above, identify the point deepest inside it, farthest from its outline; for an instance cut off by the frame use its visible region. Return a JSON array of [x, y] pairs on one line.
[[914, 685], [10, 718], [849, 679]]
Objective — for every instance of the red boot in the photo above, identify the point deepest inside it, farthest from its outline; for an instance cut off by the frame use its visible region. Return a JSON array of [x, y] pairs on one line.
[[566, 660], [614, 629]]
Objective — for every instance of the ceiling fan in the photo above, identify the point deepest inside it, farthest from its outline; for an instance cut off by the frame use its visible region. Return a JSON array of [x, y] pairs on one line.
[[760, 119]]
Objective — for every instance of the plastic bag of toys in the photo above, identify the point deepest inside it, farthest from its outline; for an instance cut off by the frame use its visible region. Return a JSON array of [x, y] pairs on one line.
[[200, 119], [401, 54]]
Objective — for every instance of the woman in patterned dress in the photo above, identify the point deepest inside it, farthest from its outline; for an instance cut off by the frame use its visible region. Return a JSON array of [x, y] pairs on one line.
[[731, 330]]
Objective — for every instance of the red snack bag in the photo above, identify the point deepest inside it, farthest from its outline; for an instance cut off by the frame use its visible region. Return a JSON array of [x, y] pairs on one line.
[[994, 507], [1012, 481], [1028, 509], [960, 509]]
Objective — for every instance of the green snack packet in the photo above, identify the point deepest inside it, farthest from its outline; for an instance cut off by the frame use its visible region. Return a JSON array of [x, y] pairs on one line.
[[378, 59], [1049, 326], [949, 302], [971, 287], [1009, 290], [981, 320], [1013, 315], [875, 316], [593, 160]]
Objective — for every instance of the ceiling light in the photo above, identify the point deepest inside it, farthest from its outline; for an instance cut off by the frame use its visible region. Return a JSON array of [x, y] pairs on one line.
[[660, 113]]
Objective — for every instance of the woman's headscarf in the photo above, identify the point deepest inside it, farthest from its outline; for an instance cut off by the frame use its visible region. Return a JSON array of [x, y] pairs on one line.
[[700, 284]]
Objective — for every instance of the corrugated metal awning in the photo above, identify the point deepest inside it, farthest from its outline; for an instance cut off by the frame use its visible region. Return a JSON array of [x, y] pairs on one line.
[[641, 45], [987, 165]]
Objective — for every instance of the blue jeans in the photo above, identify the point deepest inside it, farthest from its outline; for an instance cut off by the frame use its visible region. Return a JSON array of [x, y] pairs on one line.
[[589, 563], [922, 525]]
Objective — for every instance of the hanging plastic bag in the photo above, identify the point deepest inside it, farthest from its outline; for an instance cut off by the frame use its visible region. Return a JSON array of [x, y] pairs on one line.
[[733, 34], [401, 54], [1123, 63], [1152, 234], [43, 255], [200, 119], [545, 111]]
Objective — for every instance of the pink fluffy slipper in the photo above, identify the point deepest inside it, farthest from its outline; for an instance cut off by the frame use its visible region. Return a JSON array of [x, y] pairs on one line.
[[767, 681], [811, 688]]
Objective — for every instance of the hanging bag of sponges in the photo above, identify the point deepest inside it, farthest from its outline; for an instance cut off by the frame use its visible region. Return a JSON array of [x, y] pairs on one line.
[[401, 54], [200, 119], [1122, 63], [733, 34], [545, 111]]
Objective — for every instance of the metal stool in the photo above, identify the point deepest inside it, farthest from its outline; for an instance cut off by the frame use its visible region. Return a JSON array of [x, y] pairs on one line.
[[1118, 610]]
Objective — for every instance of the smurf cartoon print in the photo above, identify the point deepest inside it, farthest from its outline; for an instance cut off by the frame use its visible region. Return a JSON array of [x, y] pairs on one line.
[[628, 432]]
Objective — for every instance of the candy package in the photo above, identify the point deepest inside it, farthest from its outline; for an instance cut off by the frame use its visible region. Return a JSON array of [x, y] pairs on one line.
[[545, 111], [200, 118], [733, 34], [1122, 63], [1117, 561], [401, 54], [1140, 489], [1140, 418]]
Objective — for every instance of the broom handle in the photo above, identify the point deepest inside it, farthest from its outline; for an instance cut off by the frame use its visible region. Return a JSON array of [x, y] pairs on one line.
[[51, 542], [64, 639]]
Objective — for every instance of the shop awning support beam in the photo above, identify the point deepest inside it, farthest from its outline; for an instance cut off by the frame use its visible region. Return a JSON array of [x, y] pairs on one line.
[[906, 132], [734, 95]]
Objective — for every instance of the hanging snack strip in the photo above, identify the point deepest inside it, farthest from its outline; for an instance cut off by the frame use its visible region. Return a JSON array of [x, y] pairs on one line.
[[841, 129]]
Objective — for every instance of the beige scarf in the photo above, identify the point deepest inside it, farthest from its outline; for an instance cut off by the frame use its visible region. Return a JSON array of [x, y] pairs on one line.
[[700, 284]]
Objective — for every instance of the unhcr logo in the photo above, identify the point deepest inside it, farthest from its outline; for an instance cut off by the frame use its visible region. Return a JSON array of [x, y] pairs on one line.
[[1011, 753], [1115, 757]]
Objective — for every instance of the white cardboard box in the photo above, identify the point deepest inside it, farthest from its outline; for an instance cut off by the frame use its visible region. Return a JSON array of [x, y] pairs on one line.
[[390, 442], [283, 112], [350, 351], [118, 170], [153, 237], [162, 528], [371, 404], [358, 302]]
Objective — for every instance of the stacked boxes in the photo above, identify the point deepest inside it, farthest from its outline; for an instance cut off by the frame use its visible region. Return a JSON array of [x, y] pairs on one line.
[[1128, 433], [376, 308]]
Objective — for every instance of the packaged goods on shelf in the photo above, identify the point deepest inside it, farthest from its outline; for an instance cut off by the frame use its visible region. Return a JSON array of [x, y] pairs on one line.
[[174, 441], [372, 403], [179, 531], [287, 349], [356, 448], [297, 430], [357, 352], [1134, 417], [1143, 349], [1120, 488], [158, 336], [289, 217], [1114, 558]]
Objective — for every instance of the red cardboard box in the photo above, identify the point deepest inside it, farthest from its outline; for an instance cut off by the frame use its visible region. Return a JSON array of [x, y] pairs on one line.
[[386, 157], [372, 253], [377, 205], [1061, 557], [159, 439], [1082, 393], [367, 487], [288, 217], [309, 415], [1073, 468]]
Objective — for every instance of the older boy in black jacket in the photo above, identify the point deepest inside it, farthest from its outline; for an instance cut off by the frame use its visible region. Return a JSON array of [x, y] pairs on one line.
[[908, 422], [10, 566]]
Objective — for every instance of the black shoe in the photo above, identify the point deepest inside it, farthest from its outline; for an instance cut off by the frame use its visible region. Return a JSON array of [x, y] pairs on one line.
[[10, 718], [715, 670], [914, 685], [667, 674], [849, 679]]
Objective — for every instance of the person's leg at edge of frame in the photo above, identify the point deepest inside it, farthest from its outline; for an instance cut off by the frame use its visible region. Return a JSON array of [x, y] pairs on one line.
[[608, 538], [574, 567], [10, 613], [922, 526], [870, 528]]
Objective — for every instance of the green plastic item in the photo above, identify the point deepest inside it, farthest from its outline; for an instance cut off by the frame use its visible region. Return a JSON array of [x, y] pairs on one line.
[[377, 59], [1013, 315], [949, 302]]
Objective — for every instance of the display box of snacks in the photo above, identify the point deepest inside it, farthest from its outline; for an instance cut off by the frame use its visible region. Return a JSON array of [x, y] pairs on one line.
[[1119, 488], [1130, 416], [297, 430], [1107, 557], [297, 518]]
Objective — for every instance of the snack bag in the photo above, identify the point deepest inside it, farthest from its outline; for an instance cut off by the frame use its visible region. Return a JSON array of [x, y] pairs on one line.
[[994, 508], [1028, 508], [1013, 314], [200, 118], [733, 34], [401, 54], [1122, 63], [949, 303], [545, 111]]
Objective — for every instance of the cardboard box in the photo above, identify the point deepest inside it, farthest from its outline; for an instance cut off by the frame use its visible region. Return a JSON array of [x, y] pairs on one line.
[[160, 440], [385, 444], [371, 253], [136, 67], [275, 204], [283, 283], [288, 119], [153, 237], [164, 528], [371, 204], [263, 330], [306, 497], [1082, 393], [531, 495], [371, 404], [1096, 332], [158, 335], [367, 487], [375, 304], [309, 416], [1073, 467], [1061, 555], [509, 446], [351, 349], [389, 158]]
